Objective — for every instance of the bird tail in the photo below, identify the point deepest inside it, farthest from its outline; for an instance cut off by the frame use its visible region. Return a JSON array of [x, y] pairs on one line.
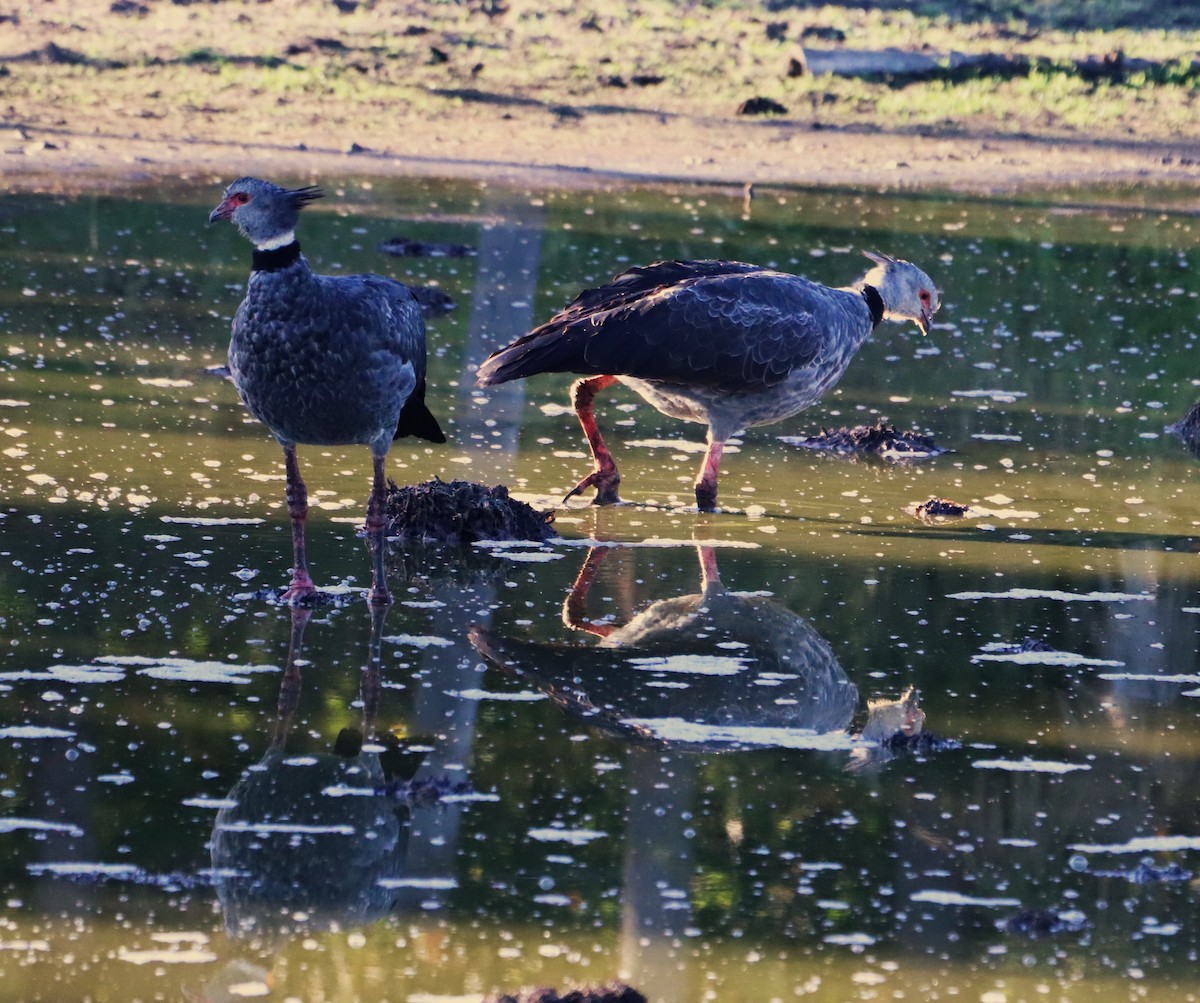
[[551, 348], [416, 419]]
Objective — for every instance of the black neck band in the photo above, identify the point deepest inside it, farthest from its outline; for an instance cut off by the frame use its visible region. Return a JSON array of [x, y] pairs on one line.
[[874, 303], [276, 258]]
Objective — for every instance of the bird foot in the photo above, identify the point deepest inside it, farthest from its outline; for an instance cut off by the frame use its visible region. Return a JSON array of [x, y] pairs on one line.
[[604, 481]]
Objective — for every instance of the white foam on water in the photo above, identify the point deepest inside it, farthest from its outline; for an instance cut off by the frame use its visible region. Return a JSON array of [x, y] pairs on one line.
[[164, 382], [85, 869], [345, 791], [67, 674], [34, 731], [849, 939], [698, 665], [1005, 396], [576, 837], [214, 803], [196, 520], [1057, 659], [169, 956], [1142, 844], [1055, 594], [936, 897], [522, 696], [674, 729], [658, 542], [419, 640], [430, 884], [189, 670], [1028, 766], [528, 556], [1149, 677], [290, 828], [37, 825]]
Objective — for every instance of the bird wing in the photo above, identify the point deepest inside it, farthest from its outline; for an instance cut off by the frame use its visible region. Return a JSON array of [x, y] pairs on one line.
[[725, 325]]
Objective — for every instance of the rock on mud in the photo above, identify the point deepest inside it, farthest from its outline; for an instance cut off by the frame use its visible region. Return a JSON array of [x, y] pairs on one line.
[[880, 439], [462, 512]]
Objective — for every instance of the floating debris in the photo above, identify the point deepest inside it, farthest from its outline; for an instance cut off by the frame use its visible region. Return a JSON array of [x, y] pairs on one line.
[[613, 992], [423, 793], [1044, 922], [407, 247], [432, 300], [920, 744], [880, 439], [462, 512], [941, 508]]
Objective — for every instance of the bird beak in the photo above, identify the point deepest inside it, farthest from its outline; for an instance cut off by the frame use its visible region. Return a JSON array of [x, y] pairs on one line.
[[923, 321], [223, 211]]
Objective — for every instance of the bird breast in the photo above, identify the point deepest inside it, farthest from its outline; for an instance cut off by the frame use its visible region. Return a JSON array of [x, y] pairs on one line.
[[316, 369]]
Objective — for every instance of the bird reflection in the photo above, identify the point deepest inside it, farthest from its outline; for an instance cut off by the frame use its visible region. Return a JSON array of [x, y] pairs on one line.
[[708, 670], [287, 853]]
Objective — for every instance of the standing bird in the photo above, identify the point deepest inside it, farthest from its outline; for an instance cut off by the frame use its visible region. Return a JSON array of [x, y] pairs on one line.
[[323, 360], [726, 344]]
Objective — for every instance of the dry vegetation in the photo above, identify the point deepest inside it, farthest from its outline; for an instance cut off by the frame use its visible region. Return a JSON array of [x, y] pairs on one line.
[[601, 84]]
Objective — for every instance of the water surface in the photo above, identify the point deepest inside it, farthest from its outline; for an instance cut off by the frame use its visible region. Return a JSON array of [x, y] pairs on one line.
[[669, 784]]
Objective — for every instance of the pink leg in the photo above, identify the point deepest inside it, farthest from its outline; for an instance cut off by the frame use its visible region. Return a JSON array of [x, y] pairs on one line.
[[289, 685], [706, 481], [574, 613], [709, 574], [605, 477], [297, 502], [377, 535]]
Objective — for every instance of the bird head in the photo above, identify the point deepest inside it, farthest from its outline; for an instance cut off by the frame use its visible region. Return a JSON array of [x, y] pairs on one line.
[[907, 292], [265, 213]]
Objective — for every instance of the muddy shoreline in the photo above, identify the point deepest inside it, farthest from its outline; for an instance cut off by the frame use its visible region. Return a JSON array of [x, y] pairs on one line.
[[622, 147]]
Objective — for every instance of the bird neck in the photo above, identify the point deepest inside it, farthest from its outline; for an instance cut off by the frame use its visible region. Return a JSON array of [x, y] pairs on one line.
[[874, 303], [276, 258]]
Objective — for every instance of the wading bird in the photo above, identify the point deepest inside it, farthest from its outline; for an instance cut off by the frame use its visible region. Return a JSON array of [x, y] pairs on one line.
[[726, 344], [323, 360]]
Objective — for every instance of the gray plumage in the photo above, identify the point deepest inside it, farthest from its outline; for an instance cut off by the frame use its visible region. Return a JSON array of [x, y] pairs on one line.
[[723, 343], [319, 359]]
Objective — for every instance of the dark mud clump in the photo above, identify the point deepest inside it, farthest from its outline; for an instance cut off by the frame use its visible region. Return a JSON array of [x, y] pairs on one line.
[[1188, 429], [1044, 922], [406, 247], [880, 439], [942, 508], [461, 512], [923, 743], [614, 992]]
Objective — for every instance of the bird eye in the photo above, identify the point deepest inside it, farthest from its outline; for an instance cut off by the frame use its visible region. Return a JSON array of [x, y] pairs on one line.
[[241, 198], [924, 295]]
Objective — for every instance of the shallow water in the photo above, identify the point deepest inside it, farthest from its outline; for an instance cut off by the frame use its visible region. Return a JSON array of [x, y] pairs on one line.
[[669, 784]]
